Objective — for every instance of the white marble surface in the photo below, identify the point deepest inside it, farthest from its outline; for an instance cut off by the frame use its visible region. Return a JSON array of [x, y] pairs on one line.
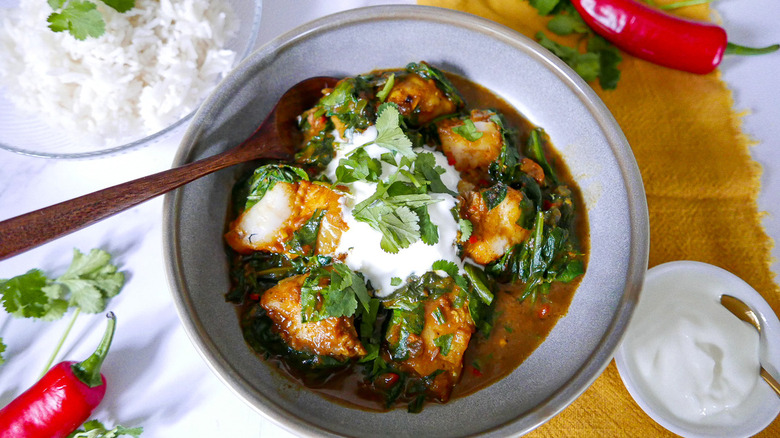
[[156, 378]]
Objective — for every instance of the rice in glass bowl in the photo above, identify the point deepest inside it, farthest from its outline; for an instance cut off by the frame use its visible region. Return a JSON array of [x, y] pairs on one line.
[[61, 97]]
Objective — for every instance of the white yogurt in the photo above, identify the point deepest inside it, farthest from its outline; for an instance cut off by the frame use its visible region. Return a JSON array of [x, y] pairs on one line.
[[689, 354], [361, 242]]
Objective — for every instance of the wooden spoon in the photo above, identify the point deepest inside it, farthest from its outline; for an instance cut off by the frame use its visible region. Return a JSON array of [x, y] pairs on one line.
[[274, 139], [745, 313]]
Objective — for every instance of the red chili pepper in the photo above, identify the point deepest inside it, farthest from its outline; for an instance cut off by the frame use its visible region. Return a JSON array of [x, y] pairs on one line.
[[543, 311], [62, 400], [661, 38]]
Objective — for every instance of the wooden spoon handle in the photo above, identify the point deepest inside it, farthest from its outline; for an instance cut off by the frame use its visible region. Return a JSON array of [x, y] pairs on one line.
[[29, 230]]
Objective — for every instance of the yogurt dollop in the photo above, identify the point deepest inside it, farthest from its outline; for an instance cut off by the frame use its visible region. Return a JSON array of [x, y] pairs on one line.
[[361, 243], [691, 354]]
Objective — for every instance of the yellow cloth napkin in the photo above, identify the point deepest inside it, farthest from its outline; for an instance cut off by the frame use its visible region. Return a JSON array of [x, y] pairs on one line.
[[701, 186]]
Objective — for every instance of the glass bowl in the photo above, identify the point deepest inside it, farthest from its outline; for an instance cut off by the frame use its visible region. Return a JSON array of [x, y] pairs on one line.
[[30, 133]]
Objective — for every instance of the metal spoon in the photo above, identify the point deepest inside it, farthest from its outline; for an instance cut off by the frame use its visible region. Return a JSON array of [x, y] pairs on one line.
[[272, 140], [745, 313]]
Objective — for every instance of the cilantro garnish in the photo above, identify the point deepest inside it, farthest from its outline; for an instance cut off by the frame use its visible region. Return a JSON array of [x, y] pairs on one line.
[[468, 130], [2, 350], [358, 166], [389, 133], [88, 283], [81, 17], [399, 206], [395, 281], [600, 59], [444, 342], [332, 292], [466, 228]]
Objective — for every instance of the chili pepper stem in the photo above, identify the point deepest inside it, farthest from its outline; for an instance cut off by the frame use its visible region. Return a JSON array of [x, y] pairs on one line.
[[62, 341], [736, 49], [88, 371]]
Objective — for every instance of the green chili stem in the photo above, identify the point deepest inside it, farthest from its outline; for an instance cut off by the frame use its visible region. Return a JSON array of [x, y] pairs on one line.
[[89, 370], [684, 3], [736, 49], [62, 341]]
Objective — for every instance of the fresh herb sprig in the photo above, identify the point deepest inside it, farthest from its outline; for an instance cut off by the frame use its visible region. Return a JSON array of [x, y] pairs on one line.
[[81, 18], [87, 285], [600, 59], [399, 206], [335, 291], [96, 429]]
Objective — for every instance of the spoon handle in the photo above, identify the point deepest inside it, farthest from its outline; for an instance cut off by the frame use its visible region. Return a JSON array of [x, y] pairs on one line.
[[32, 229], [770, 380]]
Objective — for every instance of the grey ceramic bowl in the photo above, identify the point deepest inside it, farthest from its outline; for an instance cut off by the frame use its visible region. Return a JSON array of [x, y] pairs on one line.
[[543, 89]]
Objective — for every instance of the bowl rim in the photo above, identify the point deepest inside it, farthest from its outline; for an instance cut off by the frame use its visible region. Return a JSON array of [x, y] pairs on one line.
[[154, 137], [603, 353]]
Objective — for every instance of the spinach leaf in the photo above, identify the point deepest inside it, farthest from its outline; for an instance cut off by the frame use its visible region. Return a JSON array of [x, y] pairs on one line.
[[547, 256], [264, 179], [304, 240], [494, 195]]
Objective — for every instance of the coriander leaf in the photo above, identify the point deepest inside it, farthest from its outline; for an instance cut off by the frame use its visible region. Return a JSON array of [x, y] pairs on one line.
[[444, 342], [609, 59], [56, 4], [399, 226], [399, 229], [395, 281], [544, 7], [389, 133], [2, 350], [585, 64], [447, 266], [24, 297], [425, 166], [468, 130], [96, 429], [466, 228], [120, 5], [91, 280], [429, 232], [333, 292], [358, 166], [80, 18], [567, 24], [453, 271]]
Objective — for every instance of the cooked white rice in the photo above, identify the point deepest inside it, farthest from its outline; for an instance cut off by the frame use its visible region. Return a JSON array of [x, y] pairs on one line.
[[154, 65]]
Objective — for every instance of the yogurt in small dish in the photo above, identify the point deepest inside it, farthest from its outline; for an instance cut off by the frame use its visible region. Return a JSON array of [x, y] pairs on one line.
[[690, 364]]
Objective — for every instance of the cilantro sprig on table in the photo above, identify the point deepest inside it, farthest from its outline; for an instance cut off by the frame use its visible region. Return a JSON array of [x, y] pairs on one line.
[[599, 60], [399, 206], [96, 429], [81, 18], [87, 285]]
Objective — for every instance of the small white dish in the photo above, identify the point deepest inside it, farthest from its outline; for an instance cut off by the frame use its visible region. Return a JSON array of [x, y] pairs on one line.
[[761, 407]]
